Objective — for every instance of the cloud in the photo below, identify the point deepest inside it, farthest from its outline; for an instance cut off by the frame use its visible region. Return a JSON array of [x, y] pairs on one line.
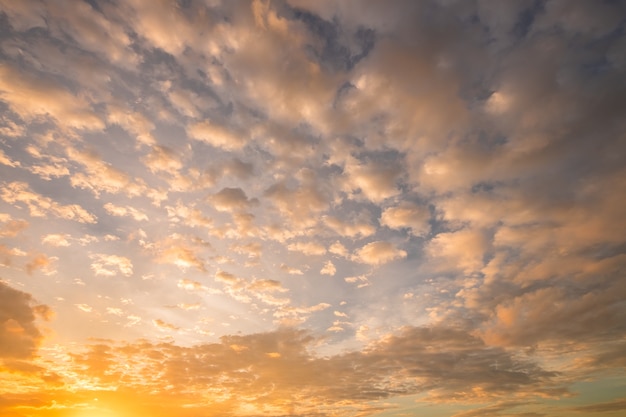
[[5, 160], [237, 169], [293, 315], [163, 159], [360, 280], [456, 166], [121, 211], [191, 285], [189, 306], [84, 308], [375, 180], [40, 206], [232, 199], [407, 215], [307, 248], [100, 176], [291, 270], [463, 250], [30, 96], [244, 290], [252, 250], [328, 269], [11, 227], [216, 135], [362, 227], [300, 204], [188, 214], [133, 122], [111, 265], [184, 252], [164, 325], [41, 262], [338, 249], [19, 334], [379, 252], [93, 31], [437, 362]]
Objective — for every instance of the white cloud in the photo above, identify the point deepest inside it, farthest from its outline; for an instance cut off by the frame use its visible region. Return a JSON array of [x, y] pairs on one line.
[[307, 248], [216, 135], [328, 269], [111, 265], [58, 240], [409, 216], [379, 252], [121, 211], [40, 206], [375, 180], [31, 96]]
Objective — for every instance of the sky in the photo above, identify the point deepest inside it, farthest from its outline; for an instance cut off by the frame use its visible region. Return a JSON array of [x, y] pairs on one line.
[[298, 208]]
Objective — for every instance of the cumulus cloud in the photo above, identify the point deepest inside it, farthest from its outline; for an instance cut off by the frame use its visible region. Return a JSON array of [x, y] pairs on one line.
[[338, 249], [163, 159], [190, 285], [40, 206], [180, 251], [457, 167], [299, 204], [407, 215], [375, 180], [5, 160], [99, 176], [232, 199], [110, 265], [291, 270], [216, 135], [121, 211], [30, 96], [328, 269], [19, 332], [463, 249], [379, 252], [362, 227], [307, 248], [42, 262], [245, 291]]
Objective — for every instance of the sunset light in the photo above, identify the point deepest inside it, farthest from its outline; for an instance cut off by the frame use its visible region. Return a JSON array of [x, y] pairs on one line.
[[312, 208]]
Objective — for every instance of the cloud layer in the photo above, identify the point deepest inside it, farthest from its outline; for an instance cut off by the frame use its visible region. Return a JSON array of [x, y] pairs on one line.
[[298, 208]]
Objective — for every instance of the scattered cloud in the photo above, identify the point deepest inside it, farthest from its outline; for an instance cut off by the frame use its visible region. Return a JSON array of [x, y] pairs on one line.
[[40, 206], [111, 265], [332, 206], [328, 269], [379, 252], [409, 216], [232, 199]]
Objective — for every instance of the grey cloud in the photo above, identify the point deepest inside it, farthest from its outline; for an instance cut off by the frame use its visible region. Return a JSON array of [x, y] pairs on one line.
[[19, 336], [441, 361], [232, 199]]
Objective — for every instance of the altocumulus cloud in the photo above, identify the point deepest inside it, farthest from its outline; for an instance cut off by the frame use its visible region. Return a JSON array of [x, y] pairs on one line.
[[312, 208]]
